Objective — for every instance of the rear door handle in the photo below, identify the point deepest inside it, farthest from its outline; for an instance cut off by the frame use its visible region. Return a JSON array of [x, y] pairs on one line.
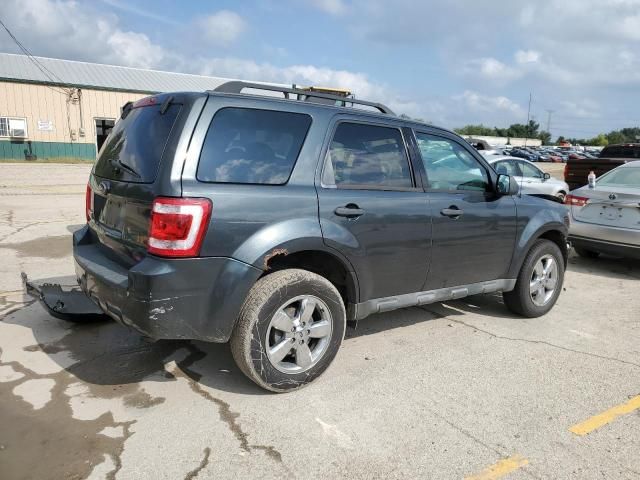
[[350, 211], [451, 212]]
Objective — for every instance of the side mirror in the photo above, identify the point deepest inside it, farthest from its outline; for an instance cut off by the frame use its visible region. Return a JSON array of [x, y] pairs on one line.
[[506, 185], [546, 176]]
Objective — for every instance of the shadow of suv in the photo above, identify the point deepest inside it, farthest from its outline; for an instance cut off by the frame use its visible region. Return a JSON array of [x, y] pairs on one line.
[[269, 222]]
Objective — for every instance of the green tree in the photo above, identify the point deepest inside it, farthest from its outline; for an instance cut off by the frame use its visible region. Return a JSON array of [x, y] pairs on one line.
[[545, 137], [475, 130], [616, 136]]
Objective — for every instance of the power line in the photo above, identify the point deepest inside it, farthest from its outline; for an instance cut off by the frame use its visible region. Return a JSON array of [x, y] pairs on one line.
[[52, 77]]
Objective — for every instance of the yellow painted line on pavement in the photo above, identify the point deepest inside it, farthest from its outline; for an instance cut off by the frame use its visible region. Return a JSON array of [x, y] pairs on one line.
[[500, 469], [608, 416]]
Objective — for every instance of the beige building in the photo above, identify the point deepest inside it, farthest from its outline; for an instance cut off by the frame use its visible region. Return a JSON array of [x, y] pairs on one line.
[[53, 109]]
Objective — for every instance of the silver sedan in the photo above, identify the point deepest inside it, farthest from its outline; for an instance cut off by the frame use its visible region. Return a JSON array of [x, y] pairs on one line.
[[531, 179], [606, 218]]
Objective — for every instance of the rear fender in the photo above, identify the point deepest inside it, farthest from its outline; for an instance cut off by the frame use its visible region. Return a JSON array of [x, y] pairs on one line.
[[285, 238]]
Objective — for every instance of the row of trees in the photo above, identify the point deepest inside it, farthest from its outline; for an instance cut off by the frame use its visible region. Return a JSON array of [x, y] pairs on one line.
[[532, 130], [519, 130], [624, 135]]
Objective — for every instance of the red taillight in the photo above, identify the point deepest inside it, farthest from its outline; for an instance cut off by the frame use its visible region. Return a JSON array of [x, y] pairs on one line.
[[178, 226], [88, 202], [575, 200]]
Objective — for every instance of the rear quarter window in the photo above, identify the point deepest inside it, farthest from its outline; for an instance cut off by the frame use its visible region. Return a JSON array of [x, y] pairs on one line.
[[254, 146]]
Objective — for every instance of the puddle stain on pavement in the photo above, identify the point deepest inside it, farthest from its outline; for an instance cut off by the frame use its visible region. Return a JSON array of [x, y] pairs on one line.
[[69, 447], [64, 446], [42, 247]]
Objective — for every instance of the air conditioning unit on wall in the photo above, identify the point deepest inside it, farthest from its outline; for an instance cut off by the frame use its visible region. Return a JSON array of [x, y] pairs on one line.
[[17, 127]]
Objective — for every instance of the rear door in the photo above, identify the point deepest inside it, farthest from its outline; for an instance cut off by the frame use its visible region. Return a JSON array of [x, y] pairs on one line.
[[474, 230], [372, 210], [123, 181]]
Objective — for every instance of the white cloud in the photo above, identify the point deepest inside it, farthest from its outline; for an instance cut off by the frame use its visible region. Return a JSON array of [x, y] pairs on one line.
[[333, 7], [584, 108], [67, 29], [223, 27], [491, 69], [484, 103], [134, 49], [527, 56]]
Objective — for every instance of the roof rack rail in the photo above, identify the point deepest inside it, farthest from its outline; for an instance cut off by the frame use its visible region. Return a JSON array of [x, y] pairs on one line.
[[236, 86]]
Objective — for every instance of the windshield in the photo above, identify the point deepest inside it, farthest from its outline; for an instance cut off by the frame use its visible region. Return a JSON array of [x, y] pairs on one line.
[[622, 177], [133, 149]]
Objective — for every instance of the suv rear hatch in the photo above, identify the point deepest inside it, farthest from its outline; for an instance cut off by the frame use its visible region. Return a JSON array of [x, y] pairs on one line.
[[123, 184]]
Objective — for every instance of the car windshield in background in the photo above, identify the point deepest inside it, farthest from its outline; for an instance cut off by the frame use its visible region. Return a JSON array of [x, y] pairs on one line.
[[252, 146], [622, 177], [134, 148]]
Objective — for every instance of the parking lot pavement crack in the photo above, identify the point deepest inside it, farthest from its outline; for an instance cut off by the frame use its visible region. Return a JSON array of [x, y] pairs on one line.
[[539, 342], [203, 464], [230, 418], [475, 439]]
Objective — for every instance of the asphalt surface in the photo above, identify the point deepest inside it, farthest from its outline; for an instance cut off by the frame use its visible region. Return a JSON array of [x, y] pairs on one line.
[[448, 391]]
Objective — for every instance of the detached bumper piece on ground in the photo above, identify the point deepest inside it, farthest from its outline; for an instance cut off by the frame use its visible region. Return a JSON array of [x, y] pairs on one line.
[[71, 305]]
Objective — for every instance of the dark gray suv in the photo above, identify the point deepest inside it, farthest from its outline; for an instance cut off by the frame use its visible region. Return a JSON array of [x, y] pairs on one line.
[[269, 222]]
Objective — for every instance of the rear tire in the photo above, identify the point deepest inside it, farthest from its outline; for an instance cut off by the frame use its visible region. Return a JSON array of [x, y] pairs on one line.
[[583, 252], [539, 282], [561, 196], [289, 329]]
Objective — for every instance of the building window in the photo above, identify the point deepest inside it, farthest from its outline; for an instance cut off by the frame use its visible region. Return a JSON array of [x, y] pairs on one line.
[[13, 127]]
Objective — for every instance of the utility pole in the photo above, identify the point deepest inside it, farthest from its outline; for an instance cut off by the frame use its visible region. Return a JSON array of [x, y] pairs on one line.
[[549, 112], [528, 119]]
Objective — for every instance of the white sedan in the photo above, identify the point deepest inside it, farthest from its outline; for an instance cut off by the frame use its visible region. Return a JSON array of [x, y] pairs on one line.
[[606, 218], [531, 179]]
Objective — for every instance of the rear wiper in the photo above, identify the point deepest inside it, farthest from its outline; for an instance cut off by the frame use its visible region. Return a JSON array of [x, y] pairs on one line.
[[117, 164]]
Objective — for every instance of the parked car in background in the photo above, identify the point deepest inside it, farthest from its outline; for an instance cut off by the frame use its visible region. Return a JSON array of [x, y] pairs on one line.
[[530, 178], [577, 169], [521, 153], [606, 218]]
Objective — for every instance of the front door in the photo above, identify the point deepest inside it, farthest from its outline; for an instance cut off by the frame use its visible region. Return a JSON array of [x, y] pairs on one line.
[[474, 230], [372, 211]]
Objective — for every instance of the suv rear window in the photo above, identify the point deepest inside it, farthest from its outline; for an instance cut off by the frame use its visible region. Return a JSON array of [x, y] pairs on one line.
[[134, 148], [252, 146]]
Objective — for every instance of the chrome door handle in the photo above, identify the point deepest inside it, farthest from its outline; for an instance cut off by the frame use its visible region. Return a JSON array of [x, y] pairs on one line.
[[350, 211], [451, 212]]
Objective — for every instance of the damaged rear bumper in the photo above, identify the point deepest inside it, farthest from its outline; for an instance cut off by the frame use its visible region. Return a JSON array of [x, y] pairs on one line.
[[191, 298]]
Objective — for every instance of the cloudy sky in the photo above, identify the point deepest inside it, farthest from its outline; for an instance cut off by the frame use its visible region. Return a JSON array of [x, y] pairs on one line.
[[451, 62]]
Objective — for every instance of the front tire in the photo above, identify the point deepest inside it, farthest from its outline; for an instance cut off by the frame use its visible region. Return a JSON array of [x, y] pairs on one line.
[[289, 329], [539, 282]]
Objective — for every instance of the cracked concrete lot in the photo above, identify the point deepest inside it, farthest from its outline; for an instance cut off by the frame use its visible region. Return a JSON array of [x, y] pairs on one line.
[[447, 391]]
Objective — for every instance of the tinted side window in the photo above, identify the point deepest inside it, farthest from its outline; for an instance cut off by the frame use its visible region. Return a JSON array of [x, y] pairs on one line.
[[449, 166], [367, 155], [252, 146]]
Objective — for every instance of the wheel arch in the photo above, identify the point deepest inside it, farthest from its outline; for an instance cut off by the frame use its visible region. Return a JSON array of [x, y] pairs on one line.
[[321, 261]]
